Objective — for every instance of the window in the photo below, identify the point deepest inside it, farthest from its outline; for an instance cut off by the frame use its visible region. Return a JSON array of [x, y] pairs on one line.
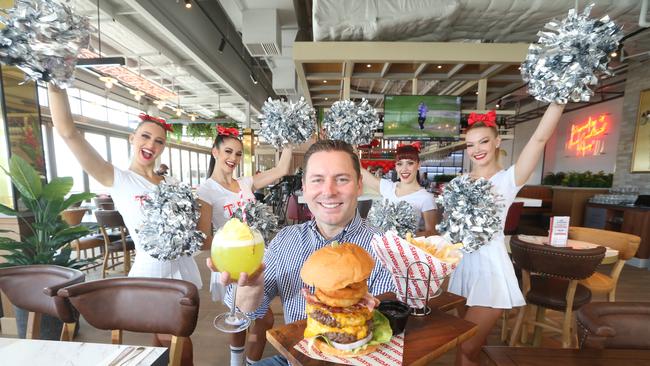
[[176, 163], [194, 174], [118, 113], [203, 170], [43, 100], [185, 158], [98, 142], [67, 164], [93, 106], [74, 100], [120, 152]]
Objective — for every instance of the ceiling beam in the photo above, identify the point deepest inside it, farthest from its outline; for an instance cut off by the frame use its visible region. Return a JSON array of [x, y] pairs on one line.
[[463, 88], [409, 52], [384, 69], [454, 70], [419, 70]]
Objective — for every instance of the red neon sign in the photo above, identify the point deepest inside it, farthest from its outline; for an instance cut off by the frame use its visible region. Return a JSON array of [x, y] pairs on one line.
[[588, 137]]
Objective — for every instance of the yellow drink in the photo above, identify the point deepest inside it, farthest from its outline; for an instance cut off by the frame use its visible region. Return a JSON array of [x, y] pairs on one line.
[[237, 259], [237, 248]]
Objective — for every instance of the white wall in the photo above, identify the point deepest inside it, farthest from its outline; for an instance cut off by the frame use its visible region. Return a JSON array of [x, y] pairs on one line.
[[559, 158]]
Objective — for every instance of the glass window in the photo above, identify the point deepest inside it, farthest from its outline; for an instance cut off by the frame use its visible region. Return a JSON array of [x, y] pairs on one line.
[[195, 168], [98, 142], [42, 97], [75, 102], [202, 168], [176, 163], [46, 152], [67, 164], [185, 158], [120, 152]]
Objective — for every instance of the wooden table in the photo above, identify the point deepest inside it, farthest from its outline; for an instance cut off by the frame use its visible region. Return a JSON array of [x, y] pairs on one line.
[[426, 338], [611, 255], [23, 352], [529, 202], [515, 356]]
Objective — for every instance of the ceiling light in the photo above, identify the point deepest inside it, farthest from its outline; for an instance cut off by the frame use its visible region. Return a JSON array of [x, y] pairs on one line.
[[368, 65], [498, 105], [476, 93], [222, 45], [101, 61], [108, 81], [439, 66], [324, 81], [188, 4], [613, 54], [136, 94], [326, 98], [253, 79], [193, 117], [179, 111]]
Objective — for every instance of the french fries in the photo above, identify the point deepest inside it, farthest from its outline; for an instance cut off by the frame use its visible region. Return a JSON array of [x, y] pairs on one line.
[[443, 253]]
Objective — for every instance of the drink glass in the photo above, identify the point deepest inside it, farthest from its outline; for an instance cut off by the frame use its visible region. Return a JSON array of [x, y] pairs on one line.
[[234, 257]]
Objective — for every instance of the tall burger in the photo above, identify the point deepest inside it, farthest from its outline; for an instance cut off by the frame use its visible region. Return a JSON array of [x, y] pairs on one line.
[[340, 313]]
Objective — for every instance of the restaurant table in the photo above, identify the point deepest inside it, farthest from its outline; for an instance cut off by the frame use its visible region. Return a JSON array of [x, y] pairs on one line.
[[425, 338], [611, 255], [533, 356], [25, 352]]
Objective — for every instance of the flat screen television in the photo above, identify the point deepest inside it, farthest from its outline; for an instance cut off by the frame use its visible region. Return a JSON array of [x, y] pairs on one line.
[[421, 117]]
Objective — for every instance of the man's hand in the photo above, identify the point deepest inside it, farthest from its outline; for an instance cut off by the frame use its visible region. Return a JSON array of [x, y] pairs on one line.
[[254, 279]]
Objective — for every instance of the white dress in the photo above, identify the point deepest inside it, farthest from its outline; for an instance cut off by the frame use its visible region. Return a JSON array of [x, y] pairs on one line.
[[127, 187], [421, 200], [486, 276], [223, 201]]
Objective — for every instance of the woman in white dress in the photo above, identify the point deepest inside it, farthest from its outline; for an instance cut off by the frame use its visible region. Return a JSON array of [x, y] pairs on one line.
[[219, 196], [127, 186], [486, 276], [407, 165]]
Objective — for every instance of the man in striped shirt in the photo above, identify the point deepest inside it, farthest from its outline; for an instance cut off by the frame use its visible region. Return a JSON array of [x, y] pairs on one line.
[[331, 185]]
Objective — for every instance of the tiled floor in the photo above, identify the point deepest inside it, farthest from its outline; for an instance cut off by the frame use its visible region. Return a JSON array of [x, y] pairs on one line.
[[211, 346]]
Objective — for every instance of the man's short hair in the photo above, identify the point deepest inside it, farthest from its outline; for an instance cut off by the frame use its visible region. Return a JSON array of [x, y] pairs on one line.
[[332, 145]]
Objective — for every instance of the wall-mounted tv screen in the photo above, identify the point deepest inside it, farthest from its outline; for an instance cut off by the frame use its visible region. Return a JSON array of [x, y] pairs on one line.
[[421, 117]]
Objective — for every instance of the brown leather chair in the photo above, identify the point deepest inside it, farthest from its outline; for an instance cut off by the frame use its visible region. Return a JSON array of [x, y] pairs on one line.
[[73, 217], [34, 288], [109, 220], [626, 244], [104, 203], [550, 278], [126, 304], [622, 325]]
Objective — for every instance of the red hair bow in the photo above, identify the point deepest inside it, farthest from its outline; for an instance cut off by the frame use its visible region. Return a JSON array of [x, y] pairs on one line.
[[160, 121], [227, 131], [417, 145], [488, 119]]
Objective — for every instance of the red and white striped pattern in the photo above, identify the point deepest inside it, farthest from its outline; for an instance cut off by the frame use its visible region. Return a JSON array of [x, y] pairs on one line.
[[396, 254], [388, 354]]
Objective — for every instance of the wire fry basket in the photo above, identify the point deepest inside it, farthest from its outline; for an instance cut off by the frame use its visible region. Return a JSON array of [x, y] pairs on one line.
[[428, 295]]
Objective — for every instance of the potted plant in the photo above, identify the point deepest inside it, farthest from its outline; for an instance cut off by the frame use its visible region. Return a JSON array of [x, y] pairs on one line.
[[48, 237]]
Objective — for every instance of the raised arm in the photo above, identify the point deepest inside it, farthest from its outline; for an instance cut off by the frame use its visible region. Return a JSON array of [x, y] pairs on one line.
[[534, 149], [267, 177], [369, 180], [89, 159]]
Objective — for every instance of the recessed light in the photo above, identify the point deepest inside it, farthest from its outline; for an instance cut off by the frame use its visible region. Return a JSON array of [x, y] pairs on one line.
[[368, 65], [326, 98], [497, 105], [476, 93], [440, 66], [324, 81]]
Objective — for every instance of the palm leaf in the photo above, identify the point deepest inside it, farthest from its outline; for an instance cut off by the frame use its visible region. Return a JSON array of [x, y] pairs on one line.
[[25, 178], [57, 188]]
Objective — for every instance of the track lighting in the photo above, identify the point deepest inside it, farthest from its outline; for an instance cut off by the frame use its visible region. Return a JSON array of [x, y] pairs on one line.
[[222, 45], [253, 79], [136, 94], [188, 4], [108, 81]]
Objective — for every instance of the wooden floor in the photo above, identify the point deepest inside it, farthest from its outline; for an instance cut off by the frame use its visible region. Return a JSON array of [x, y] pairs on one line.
[[211, 346]]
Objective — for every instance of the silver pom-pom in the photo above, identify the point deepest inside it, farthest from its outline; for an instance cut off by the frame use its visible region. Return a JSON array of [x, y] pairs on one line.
[[168, 229], [43, 39], [471, 212], [399, 216], [352, 123], [287, 122], [569, 57], [261, 217]]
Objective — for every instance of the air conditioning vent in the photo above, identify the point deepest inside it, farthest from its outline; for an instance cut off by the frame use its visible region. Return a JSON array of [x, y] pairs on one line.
[[284, 78], [261, 32]]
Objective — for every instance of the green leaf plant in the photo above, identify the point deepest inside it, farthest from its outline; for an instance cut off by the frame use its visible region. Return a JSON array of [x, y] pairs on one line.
[[48, 237]]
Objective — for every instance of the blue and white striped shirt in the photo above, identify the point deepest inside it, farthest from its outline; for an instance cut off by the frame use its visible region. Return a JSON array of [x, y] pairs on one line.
[[288, 251]]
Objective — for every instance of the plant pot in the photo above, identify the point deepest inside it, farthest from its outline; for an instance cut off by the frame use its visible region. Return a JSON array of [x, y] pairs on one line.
[[50, 326]]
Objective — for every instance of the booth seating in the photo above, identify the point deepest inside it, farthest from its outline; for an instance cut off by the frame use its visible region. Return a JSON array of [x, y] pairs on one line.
[[619, 325]]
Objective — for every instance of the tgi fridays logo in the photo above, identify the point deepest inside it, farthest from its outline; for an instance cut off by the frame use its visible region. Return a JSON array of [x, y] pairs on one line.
[[230, 208]]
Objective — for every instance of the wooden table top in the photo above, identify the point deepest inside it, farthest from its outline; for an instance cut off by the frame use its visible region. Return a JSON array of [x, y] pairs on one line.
[[426, 338], [516, 356]]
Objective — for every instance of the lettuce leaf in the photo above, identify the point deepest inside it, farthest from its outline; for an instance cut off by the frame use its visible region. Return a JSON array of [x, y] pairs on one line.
[[381, 332]]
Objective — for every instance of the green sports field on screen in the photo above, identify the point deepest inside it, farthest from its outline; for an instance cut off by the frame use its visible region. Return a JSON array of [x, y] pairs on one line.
[[421, 117]]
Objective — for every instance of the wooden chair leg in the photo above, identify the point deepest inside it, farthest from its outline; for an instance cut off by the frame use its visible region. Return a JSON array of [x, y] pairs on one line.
[[67, 333], [504, 325], [537, 335], [517, 327], [116, 336], [105, 264], [176, 351], [612, 295], [33, 325]]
